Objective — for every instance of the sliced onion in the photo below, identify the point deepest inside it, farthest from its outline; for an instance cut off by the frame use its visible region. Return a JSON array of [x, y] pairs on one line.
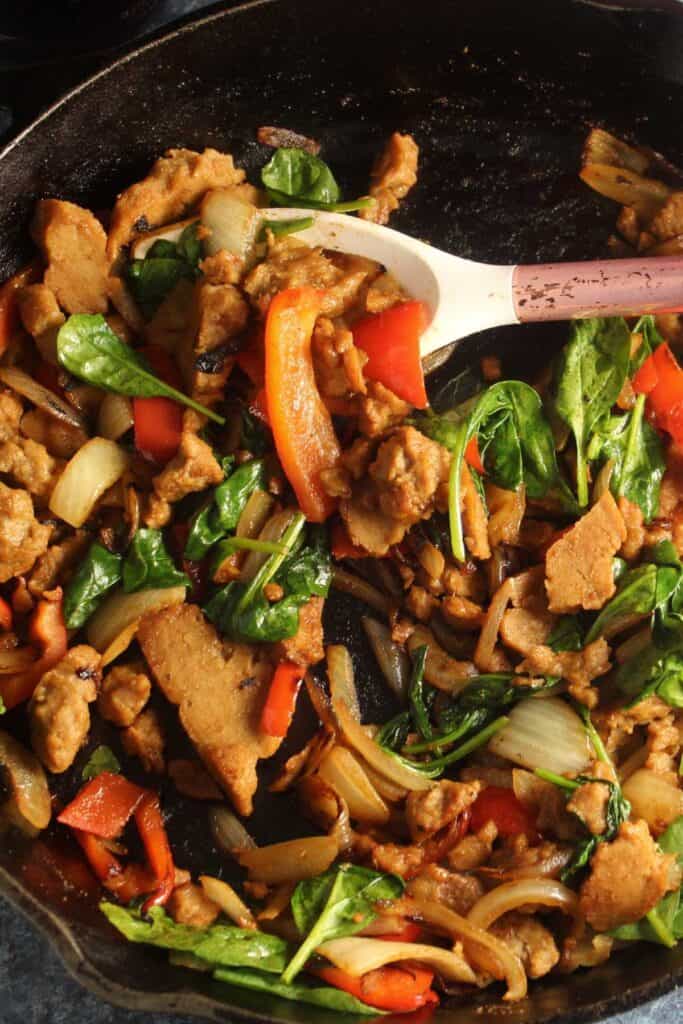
[[171, 233], [632, 763], [255, 513], [40, 396], [120, 643], [16, 659], [544, 733], [91, 471], [115, 416], [291, 861], [489, 953], [340, 769], [653, 798], [340, 674], [441, 670], [348, 583], [28, 805], [392, 659], [358, 955], [277, 902], [119, 611], [544, 892], [228, 831], [484, 653], [387, 789], [602, 481], [272, 531], [645, 195], [232, 221], [321, 702], [379, 759], [225, 897]]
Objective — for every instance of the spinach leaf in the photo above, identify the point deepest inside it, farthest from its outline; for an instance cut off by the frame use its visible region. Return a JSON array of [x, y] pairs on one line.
[[325, 996], [151, 279], [590, 374], [394, 733], [89, 349], [515, 442], [642, 591], [337, 903], [102, 759], [308, 571], [653, 671], [222, 513], [637, 453], [148, 564], [256, 437], [295, 177], [663, 924], [3, 709], [217, 944], [568, 634], [616, 812], [652, 339], [97, 574], [417, 695]]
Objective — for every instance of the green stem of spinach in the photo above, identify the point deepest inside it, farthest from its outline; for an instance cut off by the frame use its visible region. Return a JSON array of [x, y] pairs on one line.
[[282, 199], [581, 476], [660, 929], [592, 733], [267, 547], [279, 228], [634, 433], [454, 492], [273, 563], [557, 780], [442, 740], [436, 766]]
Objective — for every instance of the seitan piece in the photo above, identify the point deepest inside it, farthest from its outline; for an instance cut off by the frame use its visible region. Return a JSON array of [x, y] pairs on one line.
[[73, 242], [392, 177], [578, 566], [219, 689]]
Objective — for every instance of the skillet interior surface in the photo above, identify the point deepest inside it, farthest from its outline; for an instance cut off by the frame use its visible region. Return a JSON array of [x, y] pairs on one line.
[[499, 97]]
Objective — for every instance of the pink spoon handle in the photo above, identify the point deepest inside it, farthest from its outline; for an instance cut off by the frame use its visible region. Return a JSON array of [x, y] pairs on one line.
[[567, 291]]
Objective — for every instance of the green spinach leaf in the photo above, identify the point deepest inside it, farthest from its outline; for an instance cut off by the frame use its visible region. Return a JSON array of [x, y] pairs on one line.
[[590, 374], [300, 992], [652, 339], [642, 591], [148, 564], [218, 944], [337, 903], [102, 759], [616, 812], [568, 634], [151, 279], [295, 177], [418, 696], [664, 924], [637, 455], [222, 513], [98, 573], [89, 349]]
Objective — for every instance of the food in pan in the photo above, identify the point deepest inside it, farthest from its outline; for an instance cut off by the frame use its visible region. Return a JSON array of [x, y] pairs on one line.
[[201, 436]]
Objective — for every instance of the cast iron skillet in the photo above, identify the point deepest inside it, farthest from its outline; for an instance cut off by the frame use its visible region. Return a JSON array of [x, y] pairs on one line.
[[499, 96]]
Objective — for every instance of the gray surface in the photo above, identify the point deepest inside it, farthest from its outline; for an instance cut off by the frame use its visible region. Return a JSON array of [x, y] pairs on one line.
[[35, 989]]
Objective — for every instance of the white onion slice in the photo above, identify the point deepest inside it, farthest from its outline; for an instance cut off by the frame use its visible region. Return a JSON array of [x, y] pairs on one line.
[[91, 472], [225, 897], [115, 416], [120, 610], [392, 659], [228, 831], [358, 955], [340, 770], [544, 892], [340, 675], [232, 221], [379, 759], [40, 396], [544, 732], [291, 861]]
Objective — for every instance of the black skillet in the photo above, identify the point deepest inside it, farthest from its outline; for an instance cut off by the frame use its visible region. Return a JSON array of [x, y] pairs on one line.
[[499, 96]]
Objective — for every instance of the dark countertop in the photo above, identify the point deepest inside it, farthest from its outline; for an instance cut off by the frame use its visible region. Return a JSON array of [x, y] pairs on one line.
[[34, 985]]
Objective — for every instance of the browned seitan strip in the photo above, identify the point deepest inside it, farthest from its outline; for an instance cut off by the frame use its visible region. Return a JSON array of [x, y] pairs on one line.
[[219, 690], [72, 241]]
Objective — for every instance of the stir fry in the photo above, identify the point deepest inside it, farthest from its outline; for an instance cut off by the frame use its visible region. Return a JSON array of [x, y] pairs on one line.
[[206, 426]]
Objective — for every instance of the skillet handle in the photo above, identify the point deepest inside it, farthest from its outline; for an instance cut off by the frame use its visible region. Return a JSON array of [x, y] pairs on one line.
[[574, 291]]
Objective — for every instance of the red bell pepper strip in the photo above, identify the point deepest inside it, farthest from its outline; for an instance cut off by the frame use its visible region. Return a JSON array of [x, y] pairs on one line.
[[401, 989], [391, 341], [472, 456], [510, 816], [302, 426], [155, 840], [9, 307], [6, 617], [158, 422], [48, 633], [104, 806], [128, 883], [280, 703], [661, 379]]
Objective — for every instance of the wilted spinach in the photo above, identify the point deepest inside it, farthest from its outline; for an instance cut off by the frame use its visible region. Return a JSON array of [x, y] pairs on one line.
[[97, 574], [590, 373], [102, 759], [299, 992], [151, 279], [420, 698], [653, 671], [222, 513], [515, 443], [664, 923], [337, 903], [652, 339], [637, 455], [617, 811], [148, 564], [293, 177], [568, 634]]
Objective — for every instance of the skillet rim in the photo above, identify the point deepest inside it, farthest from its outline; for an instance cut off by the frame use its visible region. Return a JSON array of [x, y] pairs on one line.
[[61, 936]]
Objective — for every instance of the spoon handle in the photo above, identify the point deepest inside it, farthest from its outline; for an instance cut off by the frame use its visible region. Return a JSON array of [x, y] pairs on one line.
[[569, 291]]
